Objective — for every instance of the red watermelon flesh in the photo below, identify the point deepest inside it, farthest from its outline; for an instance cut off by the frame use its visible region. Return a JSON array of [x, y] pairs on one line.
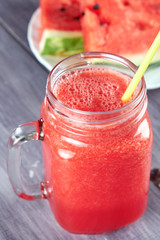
[[60, 14], [124, 27]]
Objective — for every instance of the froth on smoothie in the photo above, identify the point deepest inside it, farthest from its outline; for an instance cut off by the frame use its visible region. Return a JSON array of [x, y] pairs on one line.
[[94, 89]]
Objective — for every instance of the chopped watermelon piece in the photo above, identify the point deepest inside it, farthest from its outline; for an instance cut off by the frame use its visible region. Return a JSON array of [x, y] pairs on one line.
[[60, 28], [61, 14], [124, 27]]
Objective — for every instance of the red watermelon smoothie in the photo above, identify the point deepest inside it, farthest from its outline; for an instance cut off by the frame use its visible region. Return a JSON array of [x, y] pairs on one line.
[[97, 150]]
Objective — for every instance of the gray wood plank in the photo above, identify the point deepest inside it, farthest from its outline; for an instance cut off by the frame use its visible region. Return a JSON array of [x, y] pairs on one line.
[[154, 112], [16, 14]]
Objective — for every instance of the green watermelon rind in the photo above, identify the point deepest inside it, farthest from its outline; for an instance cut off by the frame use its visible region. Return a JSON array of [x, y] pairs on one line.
[[67, 43], [134, 58], [137, 58], [61, 43]]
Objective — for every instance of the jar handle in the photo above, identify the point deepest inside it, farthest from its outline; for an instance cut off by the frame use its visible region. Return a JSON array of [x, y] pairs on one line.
[[22, 134]]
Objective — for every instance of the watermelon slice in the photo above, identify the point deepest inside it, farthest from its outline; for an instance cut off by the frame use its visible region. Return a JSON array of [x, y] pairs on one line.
[[61, 29], [123, 27]]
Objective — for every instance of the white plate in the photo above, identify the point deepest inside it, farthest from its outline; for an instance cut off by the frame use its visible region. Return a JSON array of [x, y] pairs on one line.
[[152, 75], [33, 39]]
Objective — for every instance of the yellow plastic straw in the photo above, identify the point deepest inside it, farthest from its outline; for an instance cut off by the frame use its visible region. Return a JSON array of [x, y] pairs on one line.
[[142, 68]]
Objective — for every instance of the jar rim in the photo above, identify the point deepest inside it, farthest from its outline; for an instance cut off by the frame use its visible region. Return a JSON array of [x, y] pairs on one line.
[[100, 55]]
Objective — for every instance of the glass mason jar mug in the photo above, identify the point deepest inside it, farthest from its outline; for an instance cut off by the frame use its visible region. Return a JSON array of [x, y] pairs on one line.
[[96, 164]]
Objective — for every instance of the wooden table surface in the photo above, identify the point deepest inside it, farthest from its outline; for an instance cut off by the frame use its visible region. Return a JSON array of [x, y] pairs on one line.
[[22, 89]]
